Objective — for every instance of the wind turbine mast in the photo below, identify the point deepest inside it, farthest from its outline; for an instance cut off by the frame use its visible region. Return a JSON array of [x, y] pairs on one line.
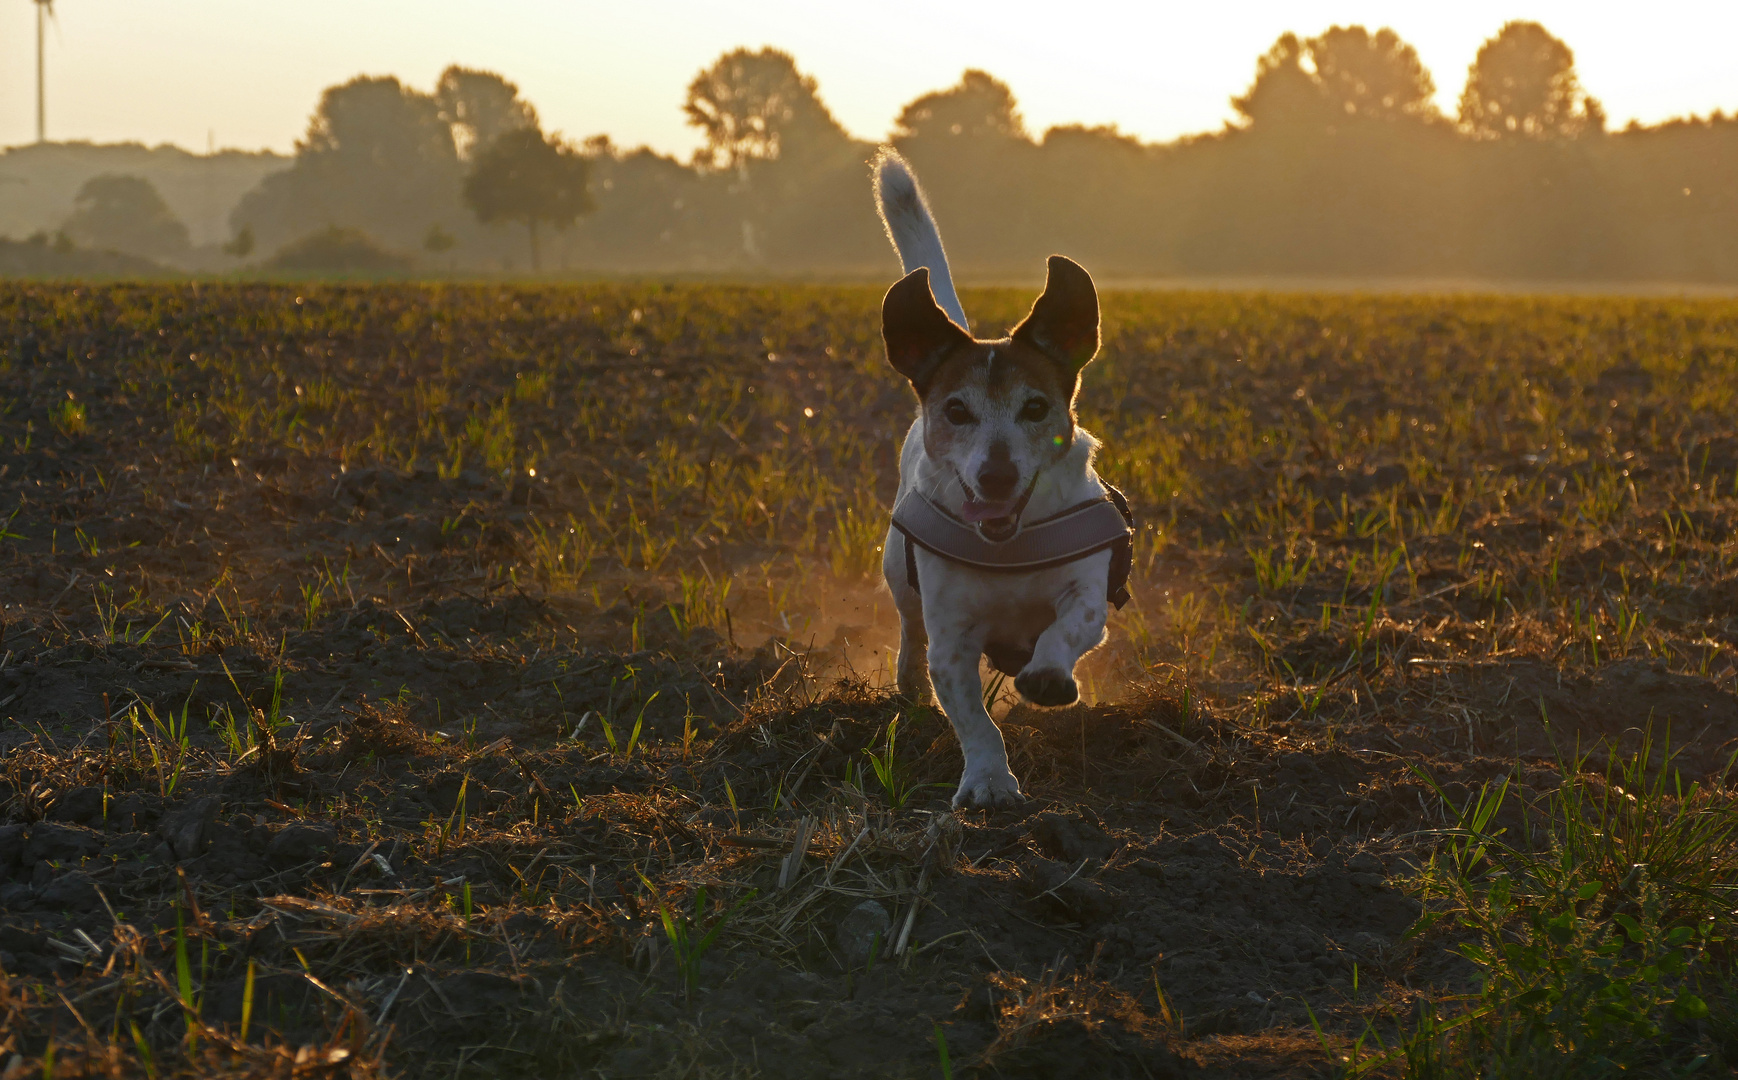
[[44, 9]]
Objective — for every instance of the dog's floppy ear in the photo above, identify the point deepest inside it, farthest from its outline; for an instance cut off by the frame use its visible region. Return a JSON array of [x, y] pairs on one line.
[[918, 333], [1063, 323]]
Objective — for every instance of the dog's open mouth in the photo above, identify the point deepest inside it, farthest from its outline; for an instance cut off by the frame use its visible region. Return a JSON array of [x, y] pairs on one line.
[[995, 520], [987, 513]]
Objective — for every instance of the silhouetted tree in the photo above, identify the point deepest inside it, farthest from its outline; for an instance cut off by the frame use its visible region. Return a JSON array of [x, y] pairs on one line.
[[1283, 94], [1371, 75], [1339, 168], [979, 165], [528, 177], [1523, 83], [478, 106], [980, 107], [756, 106], [1345, 72], [379, 121], [125, 213], [377, 156]]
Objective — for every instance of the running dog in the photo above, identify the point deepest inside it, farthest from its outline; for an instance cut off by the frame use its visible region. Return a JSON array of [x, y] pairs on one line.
[[1004, 542]]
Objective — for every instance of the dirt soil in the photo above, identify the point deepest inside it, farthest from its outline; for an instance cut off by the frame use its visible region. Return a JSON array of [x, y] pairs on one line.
[[398, 808]]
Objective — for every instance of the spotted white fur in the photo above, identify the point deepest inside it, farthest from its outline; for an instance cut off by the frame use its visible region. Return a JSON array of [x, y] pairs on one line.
[[1057, 614]]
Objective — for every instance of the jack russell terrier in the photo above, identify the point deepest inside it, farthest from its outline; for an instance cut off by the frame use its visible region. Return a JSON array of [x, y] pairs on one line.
[[1004, 543]]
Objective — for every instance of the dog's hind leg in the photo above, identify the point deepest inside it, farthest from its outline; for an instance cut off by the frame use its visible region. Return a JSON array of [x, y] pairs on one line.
[[912, 673]]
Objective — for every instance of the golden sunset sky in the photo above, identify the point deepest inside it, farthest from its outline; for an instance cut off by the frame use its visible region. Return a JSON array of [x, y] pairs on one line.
[[247, 73]]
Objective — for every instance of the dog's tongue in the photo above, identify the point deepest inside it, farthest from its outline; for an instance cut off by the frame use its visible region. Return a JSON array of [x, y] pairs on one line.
[[976, 512]]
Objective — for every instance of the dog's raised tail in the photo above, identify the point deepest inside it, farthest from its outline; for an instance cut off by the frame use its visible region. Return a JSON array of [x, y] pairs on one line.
[[909, 224]]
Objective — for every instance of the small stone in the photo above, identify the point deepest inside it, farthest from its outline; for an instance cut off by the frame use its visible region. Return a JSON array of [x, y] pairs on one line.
[[296, 844], [70, 892], [63, 844], [12, 838], [1070, 837], [184, 829], [1369, 947], [1364, 863], [82, 805], [860, 929]]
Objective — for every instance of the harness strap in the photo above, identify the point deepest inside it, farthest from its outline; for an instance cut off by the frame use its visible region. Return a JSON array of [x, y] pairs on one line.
[[1081, 530], [910, 561], [1122, 556]]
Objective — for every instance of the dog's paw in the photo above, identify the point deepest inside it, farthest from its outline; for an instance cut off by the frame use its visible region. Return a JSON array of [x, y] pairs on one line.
[[1047, 687], [988, 789]]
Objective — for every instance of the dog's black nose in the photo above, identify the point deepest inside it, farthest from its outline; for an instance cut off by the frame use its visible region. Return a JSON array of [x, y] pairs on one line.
[[996, 480]]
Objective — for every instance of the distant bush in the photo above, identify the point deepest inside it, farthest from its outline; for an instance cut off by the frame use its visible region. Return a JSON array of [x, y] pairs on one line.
[[40, 256], [337, 250], [126, 214]]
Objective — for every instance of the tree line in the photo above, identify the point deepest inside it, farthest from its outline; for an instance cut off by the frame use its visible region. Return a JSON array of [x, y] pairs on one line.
[[1339, 163]]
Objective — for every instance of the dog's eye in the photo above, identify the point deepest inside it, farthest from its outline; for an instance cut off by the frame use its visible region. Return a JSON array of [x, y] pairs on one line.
[[956, 412], [1035, 409]]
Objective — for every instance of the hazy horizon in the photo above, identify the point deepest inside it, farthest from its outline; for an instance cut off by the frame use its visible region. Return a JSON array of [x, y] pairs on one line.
[[132, 71]]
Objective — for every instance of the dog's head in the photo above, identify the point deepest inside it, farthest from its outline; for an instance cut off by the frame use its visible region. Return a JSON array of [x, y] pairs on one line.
[[995, 412]]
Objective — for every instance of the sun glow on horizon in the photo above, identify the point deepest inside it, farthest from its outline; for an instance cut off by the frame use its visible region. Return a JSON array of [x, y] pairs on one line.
[[248, 75]]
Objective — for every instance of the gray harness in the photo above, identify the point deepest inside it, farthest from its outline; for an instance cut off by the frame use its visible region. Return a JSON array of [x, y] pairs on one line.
[[1081, 530]]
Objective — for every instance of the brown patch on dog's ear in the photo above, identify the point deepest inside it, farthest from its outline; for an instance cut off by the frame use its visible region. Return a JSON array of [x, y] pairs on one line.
[[917, 331], [1063, 323]]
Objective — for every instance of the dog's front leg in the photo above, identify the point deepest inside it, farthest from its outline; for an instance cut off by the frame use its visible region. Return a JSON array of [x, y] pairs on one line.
[[1048, 679], [954, 650]]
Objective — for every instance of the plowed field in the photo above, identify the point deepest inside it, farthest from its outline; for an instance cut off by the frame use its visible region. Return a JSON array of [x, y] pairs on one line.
[[488, 682]]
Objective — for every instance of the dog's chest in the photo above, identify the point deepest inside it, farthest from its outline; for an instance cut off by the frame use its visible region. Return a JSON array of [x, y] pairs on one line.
[[1011, 608]]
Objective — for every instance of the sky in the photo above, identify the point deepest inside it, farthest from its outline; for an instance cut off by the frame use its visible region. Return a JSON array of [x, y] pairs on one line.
[[246, 74]]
